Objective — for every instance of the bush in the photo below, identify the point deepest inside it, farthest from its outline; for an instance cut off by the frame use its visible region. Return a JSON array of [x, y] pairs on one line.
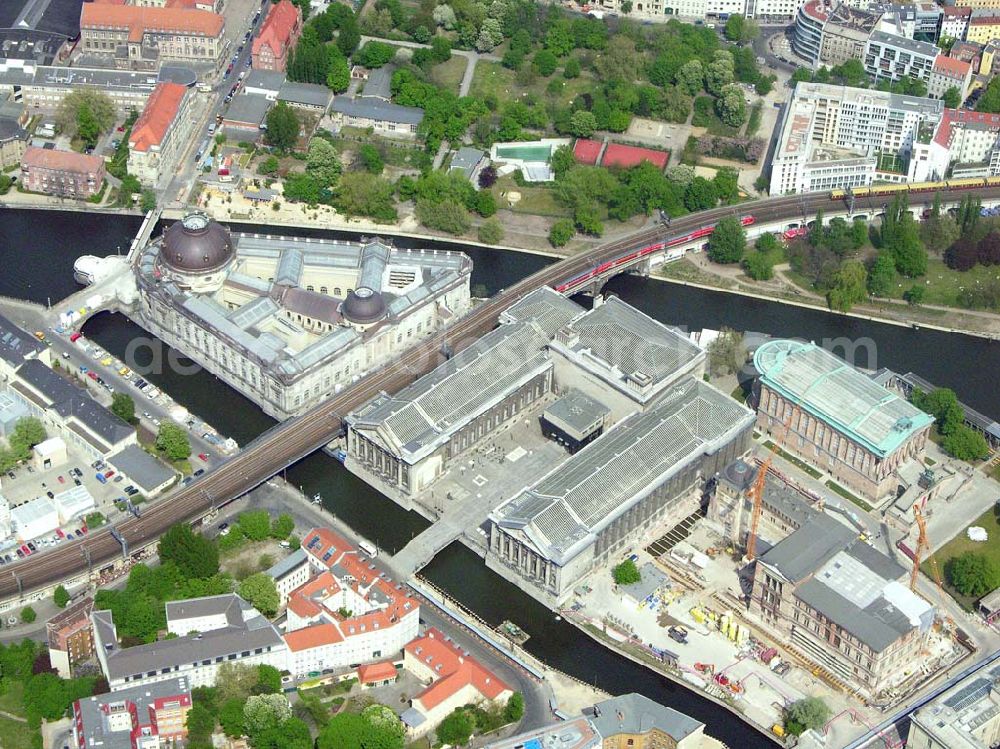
[[60, 597], [28, 615], [805, 714], [491, 232], [561, 232], [626, 573], [973, 574]]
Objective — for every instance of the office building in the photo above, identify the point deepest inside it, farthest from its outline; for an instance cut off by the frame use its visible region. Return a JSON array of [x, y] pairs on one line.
[[66, 174], [347, 613], [278, 35], [143, 38], [646, 469], [836, 137], [161, 133], [455, 679], [145, 717], [70, 637], [385, 118], [839, 602], [289, 321], [823, 410]]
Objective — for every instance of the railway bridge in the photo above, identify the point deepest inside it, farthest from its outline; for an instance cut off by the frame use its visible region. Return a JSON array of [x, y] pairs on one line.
[[295, 438]]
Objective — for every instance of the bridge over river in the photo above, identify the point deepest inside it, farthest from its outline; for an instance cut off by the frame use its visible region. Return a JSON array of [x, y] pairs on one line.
[[296, 438]]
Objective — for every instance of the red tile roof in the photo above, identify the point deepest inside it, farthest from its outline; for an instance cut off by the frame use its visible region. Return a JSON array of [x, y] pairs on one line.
[[620, 155], [952, 11], [157, 117], [70, 161], [376, 672], [586, 151], [312, 637], [453, 670], [276, 31], [951, 66], [139, 20], [953, 117]]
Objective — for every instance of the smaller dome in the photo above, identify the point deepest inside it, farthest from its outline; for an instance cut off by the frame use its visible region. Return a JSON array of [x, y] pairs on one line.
[[196, 244], [363, 305]]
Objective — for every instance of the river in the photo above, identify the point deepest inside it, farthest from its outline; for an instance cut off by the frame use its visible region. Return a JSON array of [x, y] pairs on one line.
[[963, 362]]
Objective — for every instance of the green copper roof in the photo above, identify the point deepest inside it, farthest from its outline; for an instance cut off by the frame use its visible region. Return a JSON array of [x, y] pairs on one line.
[[835, 392]]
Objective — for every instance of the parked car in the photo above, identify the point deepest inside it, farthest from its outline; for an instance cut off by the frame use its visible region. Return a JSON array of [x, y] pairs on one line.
[[61, 480], [50, 495], [199, 472], [203, 457], [678, 634]]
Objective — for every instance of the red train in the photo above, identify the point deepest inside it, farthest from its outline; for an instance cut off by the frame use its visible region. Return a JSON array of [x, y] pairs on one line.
[[603, 268]]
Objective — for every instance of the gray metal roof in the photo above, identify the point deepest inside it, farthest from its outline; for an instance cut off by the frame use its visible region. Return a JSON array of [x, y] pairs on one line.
[[379, 83], [17, 345], [636, 714], [466, 160], [308, 94], [374, 260], [807, 549], [427, 412], [95, 712], [268, 80], [549, 309], [68, 400], [566, 509], [248, 109], [375, 109], [141, 468], [283, 566], [228, 604]]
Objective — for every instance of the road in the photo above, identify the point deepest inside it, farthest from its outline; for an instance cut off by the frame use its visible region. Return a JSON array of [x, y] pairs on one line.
[[296, 438]]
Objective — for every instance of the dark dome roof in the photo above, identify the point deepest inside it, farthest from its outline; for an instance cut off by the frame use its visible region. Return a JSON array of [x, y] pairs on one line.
[[363, 305], [196, 244]]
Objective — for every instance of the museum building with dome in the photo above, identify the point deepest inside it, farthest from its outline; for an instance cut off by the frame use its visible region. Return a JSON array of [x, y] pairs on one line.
[[288, 321]]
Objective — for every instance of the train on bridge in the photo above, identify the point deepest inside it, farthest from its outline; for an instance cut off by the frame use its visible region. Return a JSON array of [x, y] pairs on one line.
[[599, 270], [890, 190]]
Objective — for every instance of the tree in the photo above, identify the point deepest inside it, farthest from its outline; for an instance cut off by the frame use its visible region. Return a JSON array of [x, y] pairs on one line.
[[943, 405], [882, 275], [194, 555], [282, 127], [849, 286], [910, 255], [123, 407], [914, 295], [488, 177], [691, 76], [491, 232], [338, 77], [172, 440], [444, 16], [60, 597], [323, 163], [966, 444], [200, 723], [92, 107], [446, 216], [731, 106], [456, 728], [28, 615], [148, 201], [268, 166], [700, 195], [259, 589], [374, 54], [364, 194], [485, 204], [87, 128], [29, 432], [440, 48], [728, 241], [561, 232], [758, 266], [805, 714], [490, 35], [236, 681], [514, 710], [384, 724], [231, 718], [626, 573], [371, 159], [254, 524], [582, 124], [989, 101], [952, 98], [349, 36], [973, 574], [269, 678], [571, 69], [718, 75], [545, 62], [264, 711], [282, 526]]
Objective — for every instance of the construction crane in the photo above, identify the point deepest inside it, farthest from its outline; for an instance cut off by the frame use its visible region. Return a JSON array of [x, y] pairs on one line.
[[757, 491], [923, 546]]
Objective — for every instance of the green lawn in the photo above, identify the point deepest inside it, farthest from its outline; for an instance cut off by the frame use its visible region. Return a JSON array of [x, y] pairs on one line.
[[492, 78], [538, 201], [15, 735], [942, 285], [449, 74], [705, 116], [11, 699], [848, 496], [961, 544]]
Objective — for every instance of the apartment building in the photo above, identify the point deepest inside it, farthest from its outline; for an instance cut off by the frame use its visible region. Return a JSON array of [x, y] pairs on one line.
[[209, 631], [132, 37], [969, 141], [840, 603], [984, 25], [846, 32], [66, 174], [147, 717], [894, 57], [831, 415], [954, 22], [346, 613], [70, 637], [161, 133], [948, 73], [278, 36], [832, 137]]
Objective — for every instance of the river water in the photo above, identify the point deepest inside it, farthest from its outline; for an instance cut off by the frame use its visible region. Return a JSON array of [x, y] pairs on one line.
[[45, 269]]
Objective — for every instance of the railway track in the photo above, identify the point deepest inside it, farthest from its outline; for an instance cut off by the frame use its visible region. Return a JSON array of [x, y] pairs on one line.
[[296, 438]]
